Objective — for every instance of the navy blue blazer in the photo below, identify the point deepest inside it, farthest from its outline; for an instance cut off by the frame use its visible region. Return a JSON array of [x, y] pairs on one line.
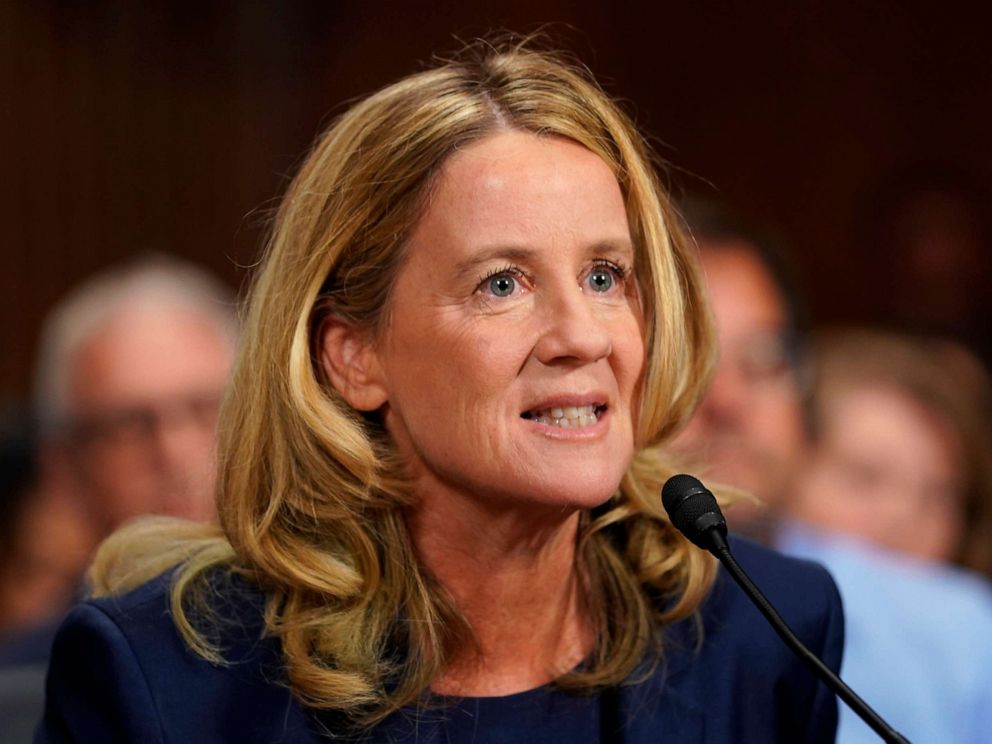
[[119, 672]]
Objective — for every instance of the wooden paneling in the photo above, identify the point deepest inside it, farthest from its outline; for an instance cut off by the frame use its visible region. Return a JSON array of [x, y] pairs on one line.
[[172, 126]]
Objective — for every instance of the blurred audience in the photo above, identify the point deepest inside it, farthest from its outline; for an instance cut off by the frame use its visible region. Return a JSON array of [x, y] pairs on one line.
[[44, 543], [131, 368], [749, 430], [919, 634], [44, 536], [901, 453]]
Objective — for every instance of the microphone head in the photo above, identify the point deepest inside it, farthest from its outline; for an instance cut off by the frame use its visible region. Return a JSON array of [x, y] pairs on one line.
[[693, 510]]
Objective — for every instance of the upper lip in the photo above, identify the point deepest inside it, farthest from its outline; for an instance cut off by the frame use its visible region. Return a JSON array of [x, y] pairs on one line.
[[568, 399]]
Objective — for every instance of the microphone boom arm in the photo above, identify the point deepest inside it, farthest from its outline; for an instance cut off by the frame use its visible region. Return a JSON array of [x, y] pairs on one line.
[[694, 511], [721, 549]]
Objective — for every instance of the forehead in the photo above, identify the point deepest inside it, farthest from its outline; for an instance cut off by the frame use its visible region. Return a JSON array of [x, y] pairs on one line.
[[154, 350], [520, 188], [742, 292], [874, 417]]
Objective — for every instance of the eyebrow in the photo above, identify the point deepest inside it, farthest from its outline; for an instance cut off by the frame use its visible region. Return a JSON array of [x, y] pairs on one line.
[[514, 253], [471, 264]]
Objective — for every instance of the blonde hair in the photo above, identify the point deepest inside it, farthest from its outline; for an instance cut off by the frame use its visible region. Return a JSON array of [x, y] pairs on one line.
[[310, 494]]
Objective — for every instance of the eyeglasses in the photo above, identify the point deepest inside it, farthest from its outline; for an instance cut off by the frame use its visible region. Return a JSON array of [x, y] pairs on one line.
[[762, 358], [139, 426]]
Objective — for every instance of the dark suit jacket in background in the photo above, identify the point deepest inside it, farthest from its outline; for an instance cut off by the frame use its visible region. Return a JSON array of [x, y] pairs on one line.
[[120, 672]]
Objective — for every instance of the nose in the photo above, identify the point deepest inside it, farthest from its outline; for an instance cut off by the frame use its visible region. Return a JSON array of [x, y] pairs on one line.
[[573, 331]]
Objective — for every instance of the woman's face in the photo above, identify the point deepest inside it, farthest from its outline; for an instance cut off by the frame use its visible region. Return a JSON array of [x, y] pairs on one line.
[[887, 470], [514, 346]]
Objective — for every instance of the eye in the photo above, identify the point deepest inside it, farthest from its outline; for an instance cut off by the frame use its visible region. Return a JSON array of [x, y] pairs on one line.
[[605, 275], [503, 282], [600, 280], [502, 285]]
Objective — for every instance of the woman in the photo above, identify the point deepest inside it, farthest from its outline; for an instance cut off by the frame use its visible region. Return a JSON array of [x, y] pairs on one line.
[[902, 452], [439, 461]]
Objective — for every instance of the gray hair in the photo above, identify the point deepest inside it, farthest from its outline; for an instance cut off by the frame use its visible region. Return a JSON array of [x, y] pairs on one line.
[[89, 307]]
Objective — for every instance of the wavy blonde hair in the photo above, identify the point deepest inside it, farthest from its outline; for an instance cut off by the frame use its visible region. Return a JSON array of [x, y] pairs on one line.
[[310, 494]]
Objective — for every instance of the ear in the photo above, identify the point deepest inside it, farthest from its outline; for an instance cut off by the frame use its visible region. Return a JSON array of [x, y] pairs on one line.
[[347, 355]]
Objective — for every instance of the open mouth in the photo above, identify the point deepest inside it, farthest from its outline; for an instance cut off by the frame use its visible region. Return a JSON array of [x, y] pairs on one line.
[[567, 417]]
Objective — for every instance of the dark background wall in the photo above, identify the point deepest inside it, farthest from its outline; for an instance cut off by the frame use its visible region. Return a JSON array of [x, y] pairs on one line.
[[132, 126]]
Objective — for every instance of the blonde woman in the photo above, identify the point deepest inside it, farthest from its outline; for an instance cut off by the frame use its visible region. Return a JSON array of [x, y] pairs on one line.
[[440, 457]]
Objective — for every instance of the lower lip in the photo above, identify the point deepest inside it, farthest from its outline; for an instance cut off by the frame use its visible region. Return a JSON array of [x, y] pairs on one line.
[[586, 433]]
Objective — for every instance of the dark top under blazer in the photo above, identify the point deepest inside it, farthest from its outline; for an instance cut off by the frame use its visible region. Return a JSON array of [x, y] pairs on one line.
[[120, 672]]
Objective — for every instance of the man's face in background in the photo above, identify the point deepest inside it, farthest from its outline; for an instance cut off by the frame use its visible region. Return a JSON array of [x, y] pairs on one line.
[[143, 397], [748, 432]]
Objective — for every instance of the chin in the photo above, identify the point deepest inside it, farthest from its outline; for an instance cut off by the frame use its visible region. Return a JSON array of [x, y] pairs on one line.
[[575, 497]]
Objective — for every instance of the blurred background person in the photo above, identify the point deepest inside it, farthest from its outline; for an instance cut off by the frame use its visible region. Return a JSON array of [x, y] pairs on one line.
[[44, 544], [131, 368], [44, 538], [132, 365], [901, 451], [748, 431], [918, 635]]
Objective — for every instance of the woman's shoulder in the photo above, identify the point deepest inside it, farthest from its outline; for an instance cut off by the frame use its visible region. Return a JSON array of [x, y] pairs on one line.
[[146, 607], [800, 588], [226, 609], [730, 662], [119, 664], [232, 604], [802, 591]]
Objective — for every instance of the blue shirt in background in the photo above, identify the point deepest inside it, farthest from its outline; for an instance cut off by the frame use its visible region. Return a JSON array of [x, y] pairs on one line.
[[919, 640]]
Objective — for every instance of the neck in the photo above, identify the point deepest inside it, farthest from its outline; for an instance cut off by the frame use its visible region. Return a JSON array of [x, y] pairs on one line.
[[512, 575]]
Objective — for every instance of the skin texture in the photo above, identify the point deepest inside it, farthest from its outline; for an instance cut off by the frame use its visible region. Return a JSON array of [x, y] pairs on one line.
[[887, 470], [145, 389], [499, 495], [748, 431]]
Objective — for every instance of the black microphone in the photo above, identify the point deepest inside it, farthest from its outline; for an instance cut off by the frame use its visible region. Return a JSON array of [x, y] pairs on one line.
[[695, 513]]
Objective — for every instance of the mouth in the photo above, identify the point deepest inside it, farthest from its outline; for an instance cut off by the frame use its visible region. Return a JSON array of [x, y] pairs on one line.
[[567, 417]]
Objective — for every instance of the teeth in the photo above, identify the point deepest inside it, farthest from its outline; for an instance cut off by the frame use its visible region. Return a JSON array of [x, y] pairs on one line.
[[566, 417]]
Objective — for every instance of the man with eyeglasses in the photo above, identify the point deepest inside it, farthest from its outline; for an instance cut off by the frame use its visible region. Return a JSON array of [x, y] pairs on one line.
[[132, 368], [918, 646], [749, 430]]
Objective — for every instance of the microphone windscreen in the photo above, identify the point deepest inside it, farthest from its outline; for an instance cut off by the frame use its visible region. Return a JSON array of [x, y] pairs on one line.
[[692, 507]]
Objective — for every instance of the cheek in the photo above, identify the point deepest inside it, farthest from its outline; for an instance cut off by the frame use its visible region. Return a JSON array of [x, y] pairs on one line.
[[629, 360], [825, 493], [453, 370], [778, 419], [629, 368], [944, 525]]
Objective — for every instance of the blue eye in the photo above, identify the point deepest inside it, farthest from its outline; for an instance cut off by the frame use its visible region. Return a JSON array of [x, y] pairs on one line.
[[502, 285], [601, 280]]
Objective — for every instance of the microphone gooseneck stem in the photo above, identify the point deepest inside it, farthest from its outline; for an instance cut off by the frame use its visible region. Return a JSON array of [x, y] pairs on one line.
[[721, 550]]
